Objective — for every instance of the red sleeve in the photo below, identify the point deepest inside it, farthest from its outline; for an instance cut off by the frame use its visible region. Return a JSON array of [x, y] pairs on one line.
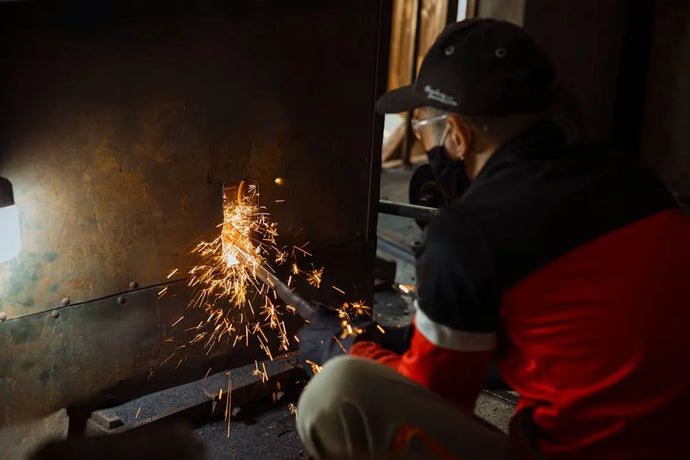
[[372, 350], [456, 375]]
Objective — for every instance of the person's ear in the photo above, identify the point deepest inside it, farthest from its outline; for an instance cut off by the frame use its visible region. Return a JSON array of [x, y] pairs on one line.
[[460, 137]]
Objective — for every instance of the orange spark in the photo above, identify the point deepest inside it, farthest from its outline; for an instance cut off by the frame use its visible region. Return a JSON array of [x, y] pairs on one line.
[[405, 288], [228, 402], [314, 277], [227, 277], [315, 368], [302, 250]]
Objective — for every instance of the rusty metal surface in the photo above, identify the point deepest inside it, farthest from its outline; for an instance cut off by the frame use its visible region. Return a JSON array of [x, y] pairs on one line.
[[104, 352], [118, 127]]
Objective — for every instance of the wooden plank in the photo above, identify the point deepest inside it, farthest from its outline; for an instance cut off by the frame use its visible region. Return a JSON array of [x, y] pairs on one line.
[[391, 148]]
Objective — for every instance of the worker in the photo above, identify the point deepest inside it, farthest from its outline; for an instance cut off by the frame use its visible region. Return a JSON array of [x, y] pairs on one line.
[[566, 263]]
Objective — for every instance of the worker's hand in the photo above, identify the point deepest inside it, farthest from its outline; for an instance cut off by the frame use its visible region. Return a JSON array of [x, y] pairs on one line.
[[321, 339], [394, 338]]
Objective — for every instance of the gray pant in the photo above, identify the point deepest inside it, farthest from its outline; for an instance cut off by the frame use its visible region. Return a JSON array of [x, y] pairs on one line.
[[357, 408]]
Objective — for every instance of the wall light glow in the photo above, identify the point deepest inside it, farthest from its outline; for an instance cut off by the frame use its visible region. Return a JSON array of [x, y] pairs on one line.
[[10, 242]]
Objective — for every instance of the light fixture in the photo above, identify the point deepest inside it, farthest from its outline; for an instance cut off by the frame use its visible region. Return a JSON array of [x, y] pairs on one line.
[[10, 242]]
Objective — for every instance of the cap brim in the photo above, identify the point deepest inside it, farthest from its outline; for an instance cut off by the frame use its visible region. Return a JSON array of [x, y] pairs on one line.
[[399, 100]]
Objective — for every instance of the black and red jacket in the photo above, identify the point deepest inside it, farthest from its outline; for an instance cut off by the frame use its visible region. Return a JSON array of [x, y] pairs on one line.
[[570, 265]]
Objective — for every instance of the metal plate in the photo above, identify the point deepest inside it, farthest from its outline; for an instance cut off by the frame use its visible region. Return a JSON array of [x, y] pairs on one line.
[[119, 124], [106, 352]]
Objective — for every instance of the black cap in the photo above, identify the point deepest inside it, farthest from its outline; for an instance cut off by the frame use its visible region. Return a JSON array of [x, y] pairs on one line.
[[482, 67]]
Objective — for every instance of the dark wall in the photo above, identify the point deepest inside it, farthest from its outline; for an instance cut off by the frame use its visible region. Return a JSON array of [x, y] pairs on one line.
[[584, 40], [666, 133]]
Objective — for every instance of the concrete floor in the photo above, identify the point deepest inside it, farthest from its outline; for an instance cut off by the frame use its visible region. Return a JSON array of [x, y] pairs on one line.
[[263, 430]]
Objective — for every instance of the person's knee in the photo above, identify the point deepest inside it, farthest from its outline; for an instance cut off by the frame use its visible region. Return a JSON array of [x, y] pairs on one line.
[[335, 400], [339, 379], [344, 377]]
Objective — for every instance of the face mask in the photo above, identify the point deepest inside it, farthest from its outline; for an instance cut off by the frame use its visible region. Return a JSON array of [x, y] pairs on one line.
[[450, 175]]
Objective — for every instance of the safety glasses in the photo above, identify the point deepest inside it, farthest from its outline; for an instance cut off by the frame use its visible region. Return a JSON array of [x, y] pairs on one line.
[[419, 125]]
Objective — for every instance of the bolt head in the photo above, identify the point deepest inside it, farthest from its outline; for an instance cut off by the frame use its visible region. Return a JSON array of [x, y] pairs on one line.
[[121, 300], [55, 313], [133, 284], [3, 316], [65, 301]]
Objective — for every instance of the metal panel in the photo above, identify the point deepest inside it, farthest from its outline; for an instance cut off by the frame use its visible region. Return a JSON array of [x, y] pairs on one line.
[[119, 125], [105, 352]]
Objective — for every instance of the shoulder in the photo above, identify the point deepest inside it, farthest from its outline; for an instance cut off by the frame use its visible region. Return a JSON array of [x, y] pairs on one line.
[[455, 273], [456, 235], [452, 222]]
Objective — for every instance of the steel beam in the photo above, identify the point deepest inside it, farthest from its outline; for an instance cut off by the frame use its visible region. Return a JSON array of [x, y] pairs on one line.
[[414, 211]]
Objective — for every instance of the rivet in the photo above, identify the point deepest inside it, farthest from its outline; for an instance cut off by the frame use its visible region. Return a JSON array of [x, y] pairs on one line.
[[3, 316], [121, 300], [500, 53], [65, 301], [55, 313], [133, 284]]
